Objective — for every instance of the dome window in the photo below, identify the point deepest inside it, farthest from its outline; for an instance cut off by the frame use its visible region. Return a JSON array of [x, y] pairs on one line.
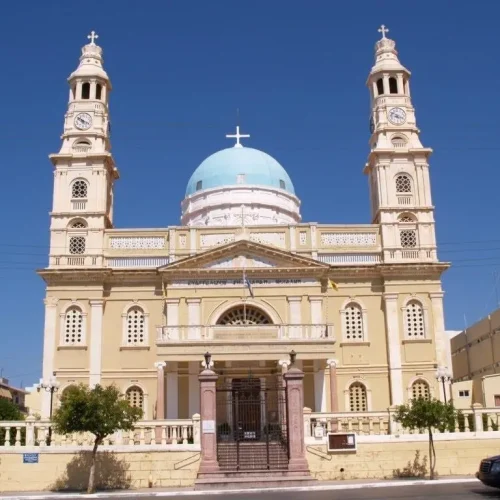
[[282, 184], [199, 185], [393, 85], [86, 90], [380, 86], [98, 91]]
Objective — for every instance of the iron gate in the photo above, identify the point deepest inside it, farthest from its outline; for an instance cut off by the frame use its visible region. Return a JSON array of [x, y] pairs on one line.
[[252, 431]]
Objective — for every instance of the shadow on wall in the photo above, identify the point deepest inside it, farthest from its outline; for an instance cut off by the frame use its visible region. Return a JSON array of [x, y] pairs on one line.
[[111, 473]]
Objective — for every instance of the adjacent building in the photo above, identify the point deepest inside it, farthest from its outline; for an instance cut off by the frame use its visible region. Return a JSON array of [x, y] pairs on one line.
[[242, 275], [13, 394]]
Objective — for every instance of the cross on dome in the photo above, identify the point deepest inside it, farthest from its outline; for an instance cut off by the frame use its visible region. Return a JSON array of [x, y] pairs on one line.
[[237, 136], [383, 30], [93, 35]]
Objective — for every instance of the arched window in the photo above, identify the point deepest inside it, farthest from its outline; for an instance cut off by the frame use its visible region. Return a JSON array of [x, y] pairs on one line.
[[353, 323], [79, 189], [135, 396], [86, 90], [414, 320], [393, 85], [248, 315], [420, 389], [403, 183], [98, 91], [135, 326], [81, 146], [77, 224], [407, 218], [77, 245], [408, 238], [73, 327], [357, 397], [398, 141], [380, 86]]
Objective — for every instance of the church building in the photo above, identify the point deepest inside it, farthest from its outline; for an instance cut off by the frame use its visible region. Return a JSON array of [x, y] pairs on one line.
[[243, 276]]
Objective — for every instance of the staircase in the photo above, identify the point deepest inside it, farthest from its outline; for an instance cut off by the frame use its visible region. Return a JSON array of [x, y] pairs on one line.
[[252, 456]]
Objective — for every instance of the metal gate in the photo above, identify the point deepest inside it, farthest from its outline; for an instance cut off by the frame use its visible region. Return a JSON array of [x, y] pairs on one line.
[[252, 431]]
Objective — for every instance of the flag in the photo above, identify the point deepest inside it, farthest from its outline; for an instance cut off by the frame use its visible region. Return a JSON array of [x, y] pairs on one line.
[[333, 285], [247, 283]]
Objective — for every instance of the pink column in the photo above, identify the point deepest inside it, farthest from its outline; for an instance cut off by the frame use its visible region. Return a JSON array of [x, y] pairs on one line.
[[295, 400], [160, 390], [208, 379], [334, 398]]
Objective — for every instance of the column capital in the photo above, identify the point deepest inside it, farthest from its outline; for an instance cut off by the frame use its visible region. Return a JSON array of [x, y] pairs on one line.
[[196, 300], [332, 363], [315, 298], [390, 297], [50, 301], [160, 365], [172, 301], [436, 295], [96, 302], [294, 299]]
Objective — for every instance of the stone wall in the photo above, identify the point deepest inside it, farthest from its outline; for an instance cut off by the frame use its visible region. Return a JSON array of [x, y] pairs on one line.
[[69, 471], [380, 459]]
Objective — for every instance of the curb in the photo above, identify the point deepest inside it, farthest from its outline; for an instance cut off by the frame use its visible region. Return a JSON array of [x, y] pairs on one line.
[[165, 494]]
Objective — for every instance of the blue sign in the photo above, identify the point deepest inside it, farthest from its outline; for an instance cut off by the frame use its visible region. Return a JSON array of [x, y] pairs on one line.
[[30, 458]]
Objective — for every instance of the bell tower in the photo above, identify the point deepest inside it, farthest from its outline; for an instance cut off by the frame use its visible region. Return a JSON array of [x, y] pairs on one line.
[[84, 169], [397, 166]]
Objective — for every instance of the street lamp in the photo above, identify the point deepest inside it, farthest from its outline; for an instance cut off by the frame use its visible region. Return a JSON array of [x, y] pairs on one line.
[[293, 356], [208, 360], [50, 386], [443, 375]]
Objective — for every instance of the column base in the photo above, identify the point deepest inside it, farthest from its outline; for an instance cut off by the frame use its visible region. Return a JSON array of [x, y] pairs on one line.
[[208, 467], [298, 465]]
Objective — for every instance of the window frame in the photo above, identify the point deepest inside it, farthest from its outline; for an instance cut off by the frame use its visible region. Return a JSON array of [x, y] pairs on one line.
[[125, 312], [62, 326], [364, 321], [404, 310]]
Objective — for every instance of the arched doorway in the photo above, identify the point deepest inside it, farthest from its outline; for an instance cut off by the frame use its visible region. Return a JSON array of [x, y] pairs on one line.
[[244, 315]]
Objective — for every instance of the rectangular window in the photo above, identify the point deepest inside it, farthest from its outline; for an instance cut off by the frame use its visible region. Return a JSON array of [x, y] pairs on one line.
[[463, 394], [199, 185], [282, 184], [240, 179], [497, 399]]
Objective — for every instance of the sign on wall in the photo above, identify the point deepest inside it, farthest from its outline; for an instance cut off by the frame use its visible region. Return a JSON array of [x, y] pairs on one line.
[[208, 426], [340, 441], [30, 458], [239, 283]]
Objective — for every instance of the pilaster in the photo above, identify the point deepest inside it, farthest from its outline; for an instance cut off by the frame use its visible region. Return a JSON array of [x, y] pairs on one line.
[[49, 349], [172, 391], [96, 314]]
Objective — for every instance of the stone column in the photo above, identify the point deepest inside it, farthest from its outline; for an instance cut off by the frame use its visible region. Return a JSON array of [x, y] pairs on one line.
[[208, 380], [194, 318], [295, 400], [319, 387], [194, 388], [334, 398], [394, 347], [160, 390], [49, 349], [96, 312], [173, 391], [294, 317], [439, 330]]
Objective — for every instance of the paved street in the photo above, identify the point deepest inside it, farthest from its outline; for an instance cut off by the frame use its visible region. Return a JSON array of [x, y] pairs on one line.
[[450, 491]]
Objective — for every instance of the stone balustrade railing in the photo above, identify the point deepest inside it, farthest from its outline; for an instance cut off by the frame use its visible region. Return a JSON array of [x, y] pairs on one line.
[[476, 419], [32, 432], [244, 333]]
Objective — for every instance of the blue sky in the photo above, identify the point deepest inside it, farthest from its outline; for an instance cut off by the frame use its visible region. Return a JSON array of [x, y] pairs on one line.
[[297, 72]]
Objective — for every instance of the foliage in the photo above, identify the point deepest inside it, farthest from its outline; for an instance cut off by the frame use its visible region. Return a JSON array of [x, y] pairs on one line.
[[426, 415], [416, 469], [100, 411], [9, 411]]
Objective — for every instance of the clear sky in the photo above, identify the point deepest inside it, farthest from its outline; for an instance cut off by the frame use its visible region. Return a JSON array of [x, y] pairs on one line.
[[297, 72]]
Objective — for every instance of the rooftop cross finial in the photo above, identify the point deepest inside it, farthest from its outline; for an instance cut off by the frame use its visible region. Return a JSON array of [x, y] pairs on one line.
[[93, 35], [237, 136], [383, 30]]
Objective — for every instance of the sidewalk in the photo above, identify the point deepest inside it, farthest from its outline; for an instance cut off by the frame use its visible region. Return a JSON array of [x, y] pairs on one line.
[[177, 492]]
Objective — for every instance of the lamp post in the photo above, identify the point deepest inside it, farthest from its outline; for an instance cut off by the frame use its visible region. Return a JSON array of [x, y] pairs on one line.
[[293, 356], [50, 386], [443, 375], [208, 360]]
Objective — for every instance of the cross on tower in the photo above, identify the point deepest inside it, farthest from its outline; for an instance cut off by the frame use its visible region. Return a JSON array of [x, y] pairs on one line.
[[93, 35], [237, 136], [383, 30]]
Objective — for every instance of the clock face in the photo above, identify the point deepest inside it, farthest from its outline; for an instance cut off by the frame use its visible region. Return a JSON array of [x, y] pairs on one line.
[[83, 121], [397, 116]]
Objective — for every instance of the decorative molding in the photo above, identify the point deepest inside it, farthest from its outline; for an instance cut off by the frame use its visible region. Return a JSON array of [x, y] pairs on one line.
[[332, 363], [210, 240], [348, 239], [135, 262], [137, 242], [276, 239], [160, 365]]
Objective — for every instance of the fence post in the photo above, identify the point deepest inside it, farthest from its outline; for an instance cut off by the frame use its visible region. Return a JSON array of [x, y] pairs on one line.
[[196, 428], [394, 427], [478, 417], [208, 380], [30, 430]]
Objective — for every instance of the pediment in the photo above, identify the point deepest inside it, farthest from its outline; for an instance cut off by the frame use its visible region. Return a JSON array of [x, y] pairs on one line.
[[247, 255]]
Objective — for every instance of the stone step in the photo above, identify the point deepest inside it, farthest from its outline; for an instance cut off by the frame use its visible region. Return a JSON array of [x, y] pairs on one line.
[[253, 479]]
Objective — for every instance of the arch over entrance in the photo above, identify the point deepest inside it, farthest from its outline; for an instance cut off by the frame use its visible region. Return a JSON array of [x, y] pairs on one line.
[[244, 315]]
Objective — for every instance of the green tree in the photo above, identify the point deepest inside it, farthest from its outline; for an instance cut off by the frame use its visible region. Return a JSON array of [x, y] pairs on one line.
[[100, 411], [426, 415]]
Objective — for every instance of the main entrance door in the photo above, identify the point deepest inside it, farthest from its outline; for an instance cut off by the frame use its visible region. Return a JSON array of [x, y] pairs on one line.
[[252, 432]]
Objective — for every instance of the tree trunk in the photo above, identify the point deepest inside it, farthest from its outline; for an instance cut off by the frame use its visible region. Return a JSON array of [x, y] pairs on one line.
[[91, 485], [432, 454]]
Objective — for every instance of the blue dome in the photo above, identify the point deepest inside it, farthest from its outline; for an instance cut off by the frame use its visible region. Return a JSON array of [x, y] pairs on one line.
[[237, 166]]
